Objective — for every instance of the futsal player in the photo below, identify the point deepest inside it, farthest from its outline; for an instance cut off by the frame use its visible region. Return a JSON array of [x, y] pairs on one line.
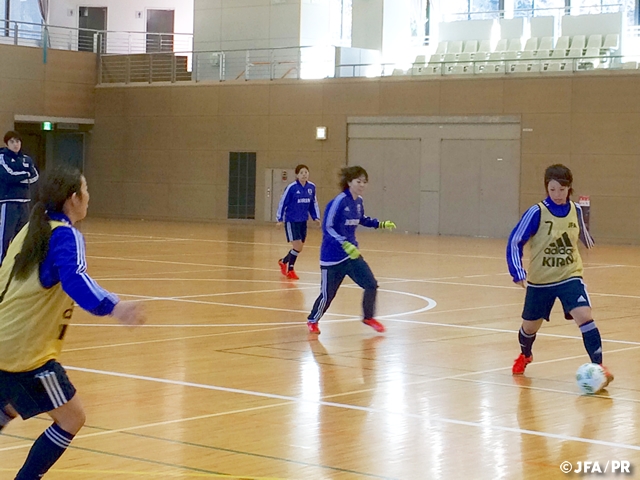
[[553, 228], [41, 278], [339, 254], [298, 201]]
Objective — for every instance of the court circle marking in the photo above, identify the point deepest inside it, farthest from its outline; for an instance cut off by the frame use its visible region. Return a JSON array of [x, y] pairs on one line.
[[430, 303]]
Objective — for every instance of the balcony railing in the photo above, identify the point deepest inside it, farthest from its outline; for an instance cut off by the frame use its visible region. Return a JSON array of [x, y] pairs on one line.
[[87, 40], [314, 62]]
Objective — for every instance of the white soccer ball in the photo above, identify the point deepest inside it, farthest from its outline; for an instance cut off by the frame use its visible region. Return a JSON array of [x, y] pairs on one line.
[[591, 378]]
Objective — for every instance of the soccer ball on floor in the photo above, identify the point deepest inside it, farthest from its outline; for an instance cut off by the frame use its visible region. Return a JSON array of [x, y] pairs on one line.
[[591, 377]]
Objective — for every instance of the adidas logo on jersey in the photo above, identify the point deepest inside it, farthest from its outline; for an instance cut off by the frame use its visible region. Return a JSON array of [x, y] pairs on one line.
[[560, 251], [581, 298]]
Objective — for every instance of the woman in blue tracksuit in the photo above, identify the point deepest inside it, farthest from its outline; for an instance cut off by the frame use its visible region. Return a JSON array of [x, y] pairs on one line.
[[42, 277], [339, 254], [17, 172], [298, 201]]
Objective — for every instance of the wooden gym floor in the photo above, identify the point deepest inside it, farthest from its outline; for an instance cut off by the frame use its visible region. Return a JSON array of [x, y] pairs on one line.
[[225, 382]]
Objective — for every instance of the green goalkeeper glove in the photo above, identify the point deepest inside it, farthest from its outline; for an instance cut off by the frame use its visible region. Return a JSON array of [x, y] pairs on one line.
[[387, 225], [351, 250]]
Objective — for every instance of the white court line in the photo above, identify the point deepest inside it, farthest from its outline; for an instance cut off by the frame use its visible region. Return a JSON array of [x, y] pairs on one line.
[[427, 310], [315, 247], [152, 237], [430, 304], [406, 280], [301, 400]]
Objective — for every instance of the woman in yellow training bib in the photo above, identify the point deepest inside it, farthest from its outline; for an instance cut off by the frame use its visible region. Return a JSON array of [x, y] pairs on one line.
[[553, 228], [42, 276]]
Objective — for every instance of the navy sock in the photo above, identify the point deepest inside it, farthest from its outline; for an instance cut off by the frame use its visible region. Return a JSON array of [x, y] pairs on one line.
[[293, 256], [592, 341], [46, 451], [526, 342]]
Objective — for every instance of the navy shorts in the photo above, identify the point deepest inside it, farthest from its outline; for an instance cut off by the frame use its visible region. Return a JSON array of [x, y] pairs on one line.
[[539, 300], [37, 391], [296, 231]]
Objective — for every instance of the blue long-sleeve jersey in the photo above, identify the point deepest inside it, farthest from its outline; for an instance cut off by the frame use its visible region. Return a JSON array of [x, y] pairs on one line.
[[17, 172], [66, 263], [298, 202], [341, 218], [528, 226]]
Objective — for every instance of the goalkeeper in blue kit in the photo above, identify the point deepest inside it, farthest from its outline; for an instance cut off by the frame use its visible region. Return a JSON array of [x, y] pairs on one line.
[[339, 254]]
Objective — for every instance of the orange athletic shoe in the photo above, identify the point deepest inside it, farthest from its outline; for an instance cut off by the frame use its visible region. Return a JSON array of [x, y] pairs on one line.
[[520, 364], [283, 267], [313, 327], [609, 376], [291, 275], [373, 323]]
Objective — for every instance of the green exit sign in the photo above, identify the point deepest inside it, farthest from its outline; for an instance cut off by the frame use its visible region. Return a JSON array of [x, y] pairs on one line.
[[47, 126]]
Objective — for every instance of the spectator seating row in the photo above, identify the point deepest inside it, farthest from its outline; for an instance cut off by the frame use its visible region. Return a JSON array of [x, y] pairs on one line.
[[538, 54]]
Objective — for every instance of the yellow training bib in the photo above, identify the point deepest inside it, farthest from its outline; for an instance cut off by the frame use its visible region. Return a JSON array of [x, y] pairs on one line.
[[554, 248]]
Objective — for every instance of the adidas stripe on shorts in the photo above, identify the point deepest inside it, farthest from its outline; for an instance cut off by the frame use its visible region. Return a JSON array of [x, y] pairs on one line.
[[37, 391], [539, 299]]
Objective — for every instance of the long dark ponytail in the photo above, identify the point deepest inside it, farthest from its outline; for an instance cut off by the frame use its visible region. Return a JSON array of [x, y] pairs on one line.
[[59, 184]]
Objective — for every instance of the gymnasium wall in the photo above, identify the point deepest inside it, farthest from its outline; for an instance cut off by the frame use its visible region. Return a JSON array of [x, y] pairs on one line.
[[162, 151], [63, 87]]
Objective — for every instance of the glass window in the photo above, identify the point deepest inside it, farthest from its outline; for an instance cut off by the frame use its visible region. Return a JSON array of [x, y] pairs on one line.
[[26, 11], [469, 9], [341, 22], [3, 16], [453, 10], [631, 7], [418, 12], [486, 6], [538, 8], [584, 7]]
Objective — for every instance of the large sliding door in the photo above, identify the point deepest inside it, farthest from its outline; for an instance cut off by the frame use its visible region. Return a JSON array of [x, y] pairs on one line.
[[393, 192], [479, 187]]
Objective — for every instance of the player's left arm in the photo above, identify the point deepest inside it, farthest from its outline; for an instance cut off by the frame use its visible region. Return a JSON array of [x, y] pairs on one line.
[[67, 247], [368, 221], [314, 208], [585, 236]]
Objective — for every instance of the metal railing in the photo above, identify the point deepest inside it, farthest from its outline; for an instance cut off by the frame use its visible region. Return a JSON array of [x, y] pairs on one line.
[[88, 40], [307, 63], [254, 64]]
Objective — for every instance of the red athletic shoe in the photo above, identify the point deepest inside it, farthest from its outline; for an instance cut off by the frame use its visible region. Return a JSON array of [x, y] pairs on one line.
[[609, 376], [291, 275], [283, 267], [375, 324], [520, 364], [313, 327]]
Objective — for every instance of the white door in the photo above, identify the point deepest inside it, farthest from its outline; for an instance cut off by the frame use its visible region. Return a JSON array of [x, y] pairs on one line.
[[393, 166], [276, 180], [479, 187]]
